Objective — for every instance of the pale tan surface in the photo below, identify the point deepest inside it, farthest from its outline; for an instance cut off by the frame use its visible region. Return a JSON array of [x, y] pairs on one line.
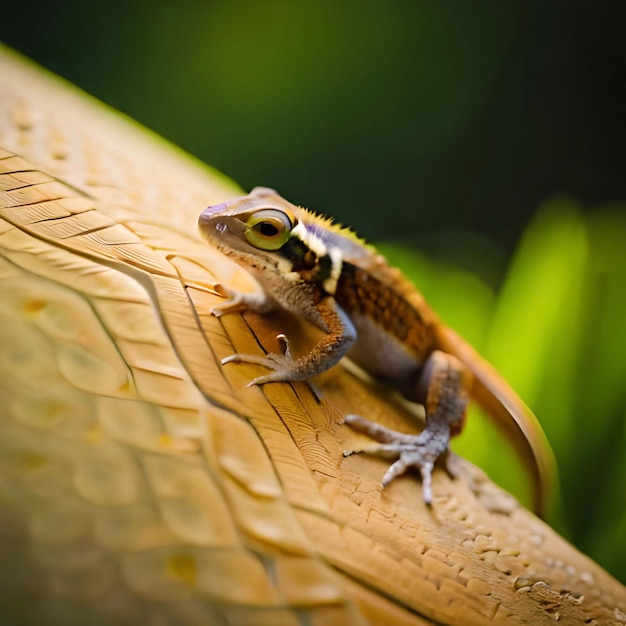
[[141, 483]]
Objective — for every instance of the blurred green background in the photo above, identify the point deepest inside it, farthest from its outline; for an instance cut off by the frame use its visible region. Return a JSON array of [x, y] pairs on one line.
[[480, 144]]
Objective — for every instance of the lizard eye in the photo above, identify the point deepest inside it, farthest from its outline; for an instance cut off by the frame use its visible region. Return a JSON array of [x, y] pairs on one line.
[[268, 229]]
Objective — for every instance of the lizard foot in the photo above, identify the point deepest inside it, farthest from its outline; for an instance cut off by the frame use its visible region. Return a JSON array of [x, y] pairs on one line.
[[285, 368], [420, 451], [236, 301]]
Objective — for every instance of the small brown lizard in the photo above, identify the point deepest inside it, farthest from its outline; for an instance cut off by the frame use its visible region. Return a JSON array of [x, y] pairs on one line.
[[369, 311]]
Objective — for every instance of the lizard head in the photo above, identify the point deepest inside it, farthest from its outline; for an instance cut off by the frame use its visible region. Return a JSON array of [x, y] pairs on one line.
[[268, 235], [262, 220]]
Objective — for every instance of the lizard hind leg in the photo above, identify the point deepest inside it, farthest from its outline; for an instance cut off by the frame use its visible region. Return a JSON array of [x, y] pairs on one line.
[[419, 451], [445, 385]]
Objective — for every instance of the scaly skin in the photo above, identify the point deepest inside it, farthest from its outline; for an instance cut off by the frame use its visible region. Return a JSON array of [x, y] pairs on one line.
[[367, 309]]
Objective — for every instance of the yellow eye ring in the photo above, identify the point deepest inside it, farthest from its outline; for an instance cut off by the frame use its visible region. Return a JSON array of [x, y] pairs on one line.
[[268, 229]]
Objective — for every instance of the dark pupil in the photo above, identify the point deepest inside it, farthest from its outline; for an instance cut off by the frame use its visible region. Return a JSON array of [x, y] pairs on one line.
[[267, 229]]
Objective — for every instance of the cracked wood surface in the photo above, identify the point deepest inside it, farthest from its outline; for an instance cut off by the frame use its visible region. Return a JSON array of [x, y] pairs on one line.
[[141, 482]]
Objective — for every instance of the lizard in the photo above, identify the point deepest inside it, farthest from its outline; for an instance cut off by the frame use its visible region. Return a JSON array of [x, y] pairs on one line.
[[371, 313]]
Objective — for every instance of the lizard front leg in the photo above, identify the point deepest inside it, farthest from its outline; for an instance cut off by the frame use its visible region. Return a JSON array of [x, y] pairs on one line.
[[340, 335], [444, 386]]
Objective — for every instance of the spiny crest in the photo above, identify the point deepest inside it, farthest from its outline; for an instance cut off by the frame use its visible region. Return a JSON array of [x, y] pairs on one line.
[[355, 250], [331, 234], [321, 225]]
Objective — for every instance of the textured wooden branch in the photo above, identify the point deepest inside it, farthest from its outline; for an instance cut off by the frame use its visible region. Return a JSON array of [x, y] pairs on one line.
[[142, 483]]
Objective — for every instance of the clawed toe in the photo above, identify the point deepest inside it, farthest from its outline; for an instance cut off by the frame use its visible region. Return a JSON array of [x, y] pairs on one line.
[[414, 451], [285, 368]]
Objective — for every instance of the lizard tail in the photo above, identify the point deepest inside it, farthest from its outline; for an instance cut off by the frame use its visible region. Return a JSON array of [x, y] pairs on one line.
[[512, 416]]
